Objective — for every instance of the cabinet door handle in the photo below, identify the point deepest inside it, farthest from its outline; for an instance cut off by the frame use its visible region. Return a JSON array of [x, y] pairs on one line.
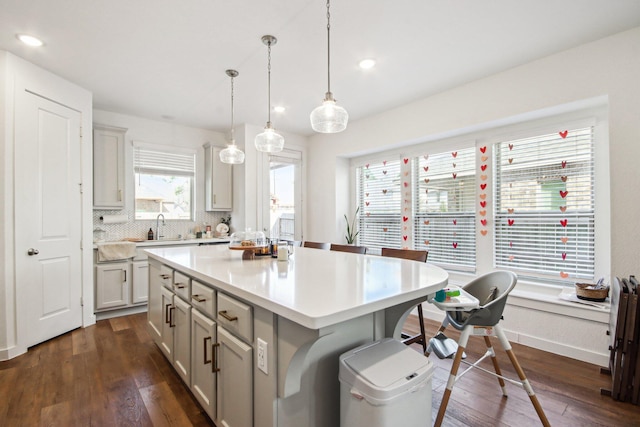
[[125, 275], [119, 195], [198, 298], [179, 285], [204, 347], [214, 199], [166, 313], [164, 276], [214, 359], [224, 314], [171, 324]]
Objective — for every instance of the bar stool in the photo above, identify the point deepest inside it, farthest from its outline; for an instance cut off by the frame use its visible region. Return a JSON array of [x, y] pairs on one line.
[[491, 291], [349, 248], [316, 245], [415, 255]]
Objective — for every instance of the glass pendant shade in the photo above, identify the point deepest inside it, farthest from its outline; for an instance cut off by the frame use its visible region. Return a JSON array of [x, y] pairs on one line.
[[269, 141], [329, 117], [232, 154]]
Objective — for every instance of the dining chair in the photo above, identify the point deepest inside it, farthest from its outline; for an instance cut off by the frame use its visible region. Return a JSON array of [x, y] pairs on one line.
[[349, 248], [316, 245], [415, 255], [491, 291]]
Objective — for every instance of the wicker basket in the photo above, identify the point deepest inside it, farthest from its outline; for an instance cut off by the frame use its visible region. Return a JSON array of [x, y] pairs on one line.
[[591, 294]]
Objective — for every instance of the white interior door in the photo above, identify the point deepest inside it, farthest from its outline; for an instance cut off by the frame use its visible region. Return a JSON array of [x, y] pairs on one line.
[[48, 221]]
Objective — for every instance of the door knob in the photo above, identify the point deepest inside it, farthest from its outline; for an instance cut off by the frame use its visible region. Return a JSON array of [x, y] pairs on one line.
[[32, 252]]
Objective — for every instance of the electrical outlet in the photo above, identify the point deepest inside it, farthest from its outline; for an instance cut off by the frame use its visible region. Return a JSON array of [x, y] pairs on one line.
[[262, 356]]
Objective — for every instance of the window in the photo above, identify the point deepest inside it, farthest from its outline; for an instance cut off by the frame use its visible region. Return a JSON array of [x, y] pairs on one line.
[[164, 183], [544, 205], [445, 212], [379, 197]]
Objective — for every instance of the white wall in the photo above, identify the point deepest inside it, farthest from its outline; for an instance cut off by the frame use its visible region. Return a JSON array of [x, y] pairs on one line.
[[606, 68]]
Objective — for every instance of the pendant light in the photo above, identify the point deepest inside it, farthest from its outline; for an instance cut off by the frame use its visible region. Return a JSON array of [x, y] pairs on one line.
[[329, 117], [232, 154], [269, 141]]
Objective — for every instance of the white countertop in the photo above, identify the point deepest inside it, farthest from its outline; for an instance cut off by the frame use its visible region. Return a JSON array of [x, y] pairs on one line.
[[315, 288], [175, 242]]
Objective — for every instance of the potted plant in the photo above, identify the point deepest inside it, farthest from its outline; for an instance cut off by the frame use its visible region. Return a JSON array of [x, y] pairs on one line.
[[352, 233]]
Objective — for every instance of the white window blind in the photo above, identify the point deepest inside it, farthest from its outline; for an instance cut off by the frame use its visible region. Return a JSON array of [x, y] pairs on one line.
[[544, 205], [379, 195], [444, 206], [158, 162]]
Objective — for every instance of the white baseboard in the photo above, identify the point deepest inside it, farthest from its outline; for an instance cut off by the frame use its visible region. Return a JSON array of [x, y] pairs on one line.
[[102, 315]]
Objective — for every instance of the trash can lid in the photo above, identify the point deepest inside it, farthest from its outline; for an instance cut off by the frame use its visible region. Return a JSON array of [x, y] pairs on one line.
[[384, 371]]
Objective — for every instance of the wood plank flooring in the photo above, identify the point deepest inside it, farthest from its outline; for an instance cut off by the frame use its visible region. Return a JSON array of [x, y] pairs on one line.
[[112, 374]]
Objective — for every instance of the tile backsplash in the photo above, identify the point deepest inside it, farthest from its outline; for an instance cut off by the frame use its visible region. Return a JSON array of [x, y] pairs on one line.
[[139, 228]]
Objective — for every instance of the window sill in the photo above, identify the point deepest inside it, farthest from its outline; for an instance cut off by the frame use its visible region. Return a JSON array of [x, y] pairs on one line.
[[542, 297]]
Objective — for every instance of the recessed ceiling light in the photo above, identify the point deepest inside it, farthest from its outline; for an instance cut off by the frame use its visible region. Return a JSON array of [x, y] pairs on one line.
[[279, 109], [367, 64], [29, 40]]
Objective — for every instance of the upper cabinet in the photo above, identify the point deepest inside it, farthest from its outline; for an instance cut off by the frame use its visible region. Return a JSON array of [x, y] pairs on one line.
[[218, 181], [108, 167]]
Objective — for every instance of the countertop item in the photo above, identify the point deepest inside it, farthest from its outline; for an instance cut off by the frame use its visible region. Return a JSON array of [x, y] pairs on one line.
[[174, 242], [314, 288]]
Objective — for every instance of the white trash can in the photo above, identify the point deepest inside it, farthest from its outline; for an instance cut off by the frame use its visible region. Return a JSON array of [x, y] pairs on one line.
[[381, 383]]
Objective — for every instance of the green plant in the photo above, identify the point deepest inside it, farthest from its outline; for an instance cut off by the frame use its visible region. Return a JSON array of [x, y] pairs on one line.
[[352, 233]]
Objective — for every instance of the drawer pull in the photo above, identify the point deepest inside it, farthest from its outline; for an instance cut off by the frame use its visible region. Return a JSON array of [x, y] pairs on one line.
[[164, 276], [179, 285], [198, 298], [214, 367], [224, 314], [204, 347]]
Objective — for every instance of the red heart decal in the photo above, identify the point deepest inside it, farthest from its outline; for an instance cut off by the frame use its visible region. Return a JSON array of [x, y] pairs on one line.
[[406, 161], [564, 164], [426, 222], [564, 222], [366, 203], [483, 177], [510, 244], [384, 191], [510, 147], [366, 194], [510, 210], [483, 213], [563, 194], [454, 165], [483, 186], [426, 168], [426, 190], [426, 180], [484, 158], [455, 222], [483, 222], [454, 154], [483, 167], [404, 238], [405, 218], [384, 163], [563, 178], [368, 213], [406, 184], [455, 245], [454, 175], [426, 242], [483, 149], [564, 239], [367, 166], [385, 229], [563, 134], [510, 161], [483, 203], [483, 196], [406, 174], [384, 172], [563, 209], [483, 232], [564, 255], [511, 221], [564, 275], [511, 257]]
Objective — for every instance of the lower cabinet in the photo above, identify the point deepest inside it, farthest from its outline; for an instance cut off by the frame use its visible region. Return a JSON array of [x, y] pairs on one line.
[[166, 330], [235, 381], [112, 288], [155, 308], [182, 338], [203, 375], [140, 274]]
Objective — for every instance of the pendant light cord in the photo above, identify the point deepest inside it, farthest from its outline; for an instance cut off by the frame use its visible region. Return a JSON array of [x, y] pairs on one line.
[[269, 83], [233, 139], [328, 49]]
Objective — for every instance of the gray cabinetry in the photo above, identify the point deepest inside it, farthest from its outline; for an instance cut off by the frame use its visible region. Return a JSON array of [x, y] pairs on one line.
[[108, 167], [218, 181]]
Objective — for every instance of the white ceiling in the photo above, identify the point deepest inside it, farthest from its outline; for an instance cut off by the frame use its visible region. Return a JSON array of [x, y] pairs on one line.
[[159, 58]]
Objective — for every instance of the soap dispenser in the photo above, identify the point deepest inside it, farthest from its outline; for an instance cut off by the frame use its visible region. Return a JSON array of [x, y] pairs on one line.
[[150, 234]]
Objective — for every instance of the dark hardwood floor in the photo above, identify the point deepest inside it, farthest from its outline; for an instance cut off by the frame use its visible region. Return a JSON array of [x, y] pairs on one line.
[[112, 374]]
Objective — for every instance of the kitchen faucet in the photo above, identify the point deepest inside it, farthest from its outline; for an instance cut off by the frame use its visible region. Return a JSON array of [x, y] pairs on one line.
[[158, 235]]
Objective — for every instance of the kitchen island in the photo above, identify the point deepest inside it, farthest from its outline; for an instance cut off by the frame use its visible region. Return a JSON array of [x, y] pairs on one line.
[[281, 325]]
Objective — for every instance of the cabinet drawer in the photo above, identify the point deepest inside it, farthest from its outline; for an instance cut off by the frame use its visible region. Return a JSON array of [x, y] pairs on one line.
[[203, 298], [166, 276], [181, 285], [235, 316]]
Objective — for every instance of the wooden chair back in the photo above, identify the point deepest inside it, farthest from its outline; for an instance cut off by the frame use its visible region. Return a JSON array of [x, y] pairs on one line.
[[316, 245], [415, 255], [349, 248]]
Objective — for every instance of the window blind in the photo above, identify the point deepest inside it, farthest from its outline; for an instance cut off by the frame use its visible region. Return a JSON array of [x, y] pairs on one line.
[[379, 196], [158, 162], [444, 206], [544, 205]]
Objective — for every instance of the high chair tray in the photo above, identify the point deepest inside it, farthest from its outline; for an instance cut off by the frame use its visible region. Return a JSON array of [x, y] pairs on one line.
[[462, 302]]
